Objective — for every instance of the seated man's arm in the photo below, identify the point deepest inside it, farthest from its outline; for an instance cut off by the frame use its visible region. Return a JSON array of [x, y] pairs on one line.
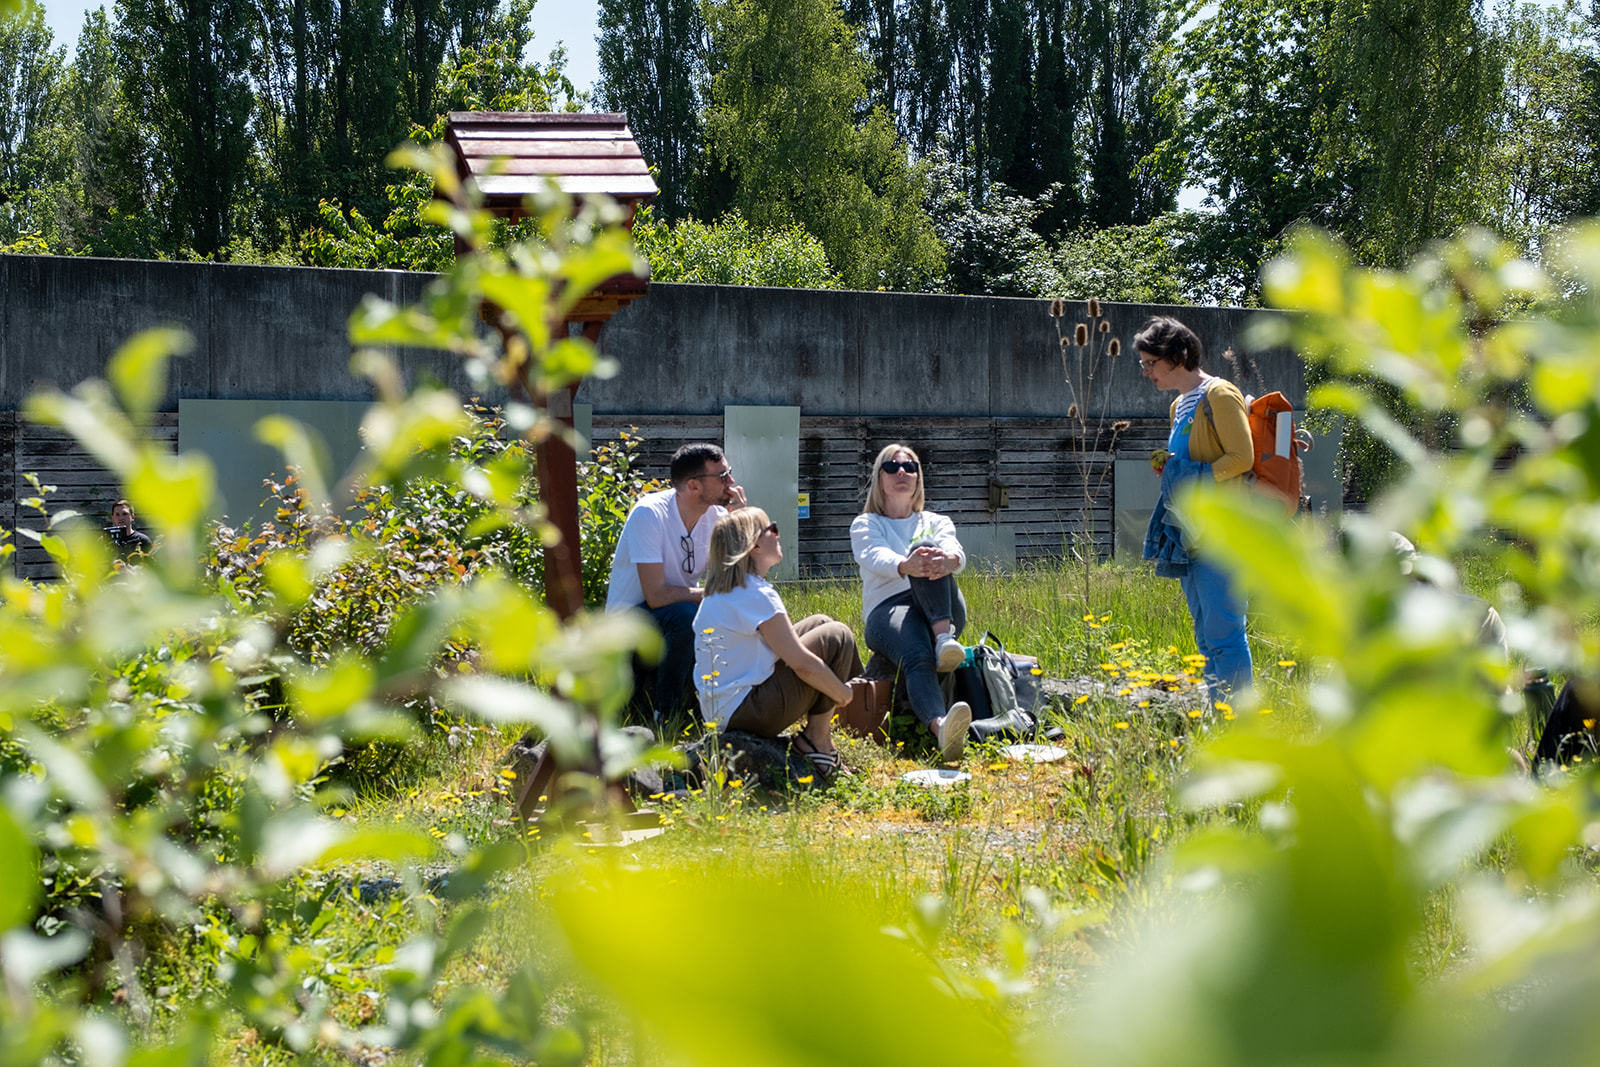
[[657, 592]]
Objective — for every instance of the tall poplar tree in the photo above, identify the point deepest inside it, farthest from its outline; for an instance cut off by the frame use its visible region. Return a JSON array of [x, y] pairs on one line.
[[653, 65], [783, 122], [31, 163], [191, 60]]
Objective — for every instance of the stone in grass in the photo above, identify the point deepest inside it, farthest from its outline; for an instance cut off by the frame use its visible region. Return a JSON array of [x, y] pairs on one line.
[[525, 757], [770, 761]]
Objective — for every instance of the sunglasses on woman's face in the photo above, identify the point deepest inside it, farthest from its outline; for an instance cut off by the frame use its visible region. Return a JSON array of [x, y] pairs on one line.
[[895, 466], [772, 529]]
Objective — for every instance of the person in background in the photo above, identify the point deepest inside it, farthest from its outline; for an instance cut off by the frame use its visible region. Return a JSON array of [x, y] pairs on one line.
[[661, 554], [755, 670], [914, 610], [1209, 440], [124, 538]]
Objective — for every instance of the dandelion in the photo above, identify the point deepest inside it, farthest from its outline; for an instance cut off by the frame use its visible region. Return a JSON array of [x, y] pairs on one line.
[[1120, 725], [508, 774], [1057, 308], [1118, 647], [709, 630], [1084, 699], [1114, 347], [1196, 713], [1106, 617], [805, 779], [1108, 666], [1173, 743], [1223, 705], [1094, 307], [1124, 692], [1286, 663], [1144, 703], [1080, 334], [1266, 711], [1588, 724], [1089, 617], [1105, 326], [1228, 715], [1036, 671]]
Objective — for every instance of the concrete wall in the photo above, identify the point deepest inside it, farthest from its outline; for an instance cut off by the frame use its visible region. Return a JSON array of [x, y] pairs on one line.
[[691, 349], [279, 333]]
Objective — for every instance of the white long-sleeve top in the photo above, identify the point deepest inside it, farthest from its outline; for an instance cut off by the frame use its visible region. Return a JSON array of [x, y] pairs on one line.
[[881, 544]]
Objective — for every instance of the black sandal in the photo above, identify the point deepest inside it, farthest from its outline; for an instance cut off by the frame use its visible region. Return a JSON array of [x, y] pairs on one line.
[[826, 763]]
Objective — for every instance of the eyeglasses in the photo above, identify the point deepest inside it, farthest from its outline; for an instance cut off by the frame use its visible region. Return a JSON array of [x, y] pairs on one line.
[[894, 466], [686, 543], [726, 476], [1146, 364], [772, 529]]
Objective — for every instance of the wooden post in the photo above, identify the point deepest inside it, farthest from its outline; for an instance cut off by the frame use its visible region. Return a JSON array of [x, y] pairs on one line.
[[557, 468]]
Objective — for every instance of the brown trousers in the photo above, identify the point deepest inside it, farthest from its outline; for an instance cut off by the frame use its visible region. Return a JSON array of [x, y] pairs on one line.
[[784, 698]]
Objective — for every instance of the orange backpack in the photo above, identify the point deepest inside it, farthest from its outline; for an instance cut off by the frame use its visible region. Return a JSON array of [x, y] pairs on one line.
[[1277, 440]]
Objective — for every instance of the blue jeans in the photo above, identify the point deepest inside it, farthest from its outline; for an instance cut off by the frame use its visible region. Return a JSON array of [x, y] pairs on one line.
[[675, 672], [1218, 616], [901, 629]]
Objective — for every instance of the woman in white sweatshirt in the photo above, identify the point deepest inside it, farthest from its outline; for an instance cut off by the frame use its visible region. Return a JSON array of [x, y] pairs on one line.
[[914, 611]]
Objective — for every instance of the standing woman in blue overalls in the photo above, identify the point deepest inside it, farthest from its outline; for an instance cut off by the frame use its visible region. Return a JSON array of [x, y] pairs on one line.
[[1210, 439]]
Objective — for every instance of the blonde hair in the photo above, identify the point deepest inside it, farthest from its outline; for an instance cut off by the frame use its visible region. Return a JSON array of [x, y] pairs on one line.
[[733, 541], [874, 505]]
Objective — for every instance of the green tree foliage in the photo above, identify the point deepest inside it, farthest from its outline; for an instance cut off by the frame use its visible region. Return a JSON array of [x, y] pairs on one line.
[[1546, 158], [1372, 119], [1415, 84], [784, 124], [653, 65], [1132, 116], [105, 205], [191, 61], [730, 252], [31, 160]]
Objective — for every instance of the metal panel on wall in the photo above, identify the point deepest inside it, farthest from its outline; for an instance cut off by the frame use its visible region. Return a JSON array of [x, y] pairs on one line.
[[763, 447], [225, 431]]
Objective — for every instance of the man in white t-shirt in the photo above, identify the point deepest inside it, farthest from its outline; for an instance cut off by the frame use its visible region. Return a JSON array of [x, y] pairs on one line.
[[661, 555]]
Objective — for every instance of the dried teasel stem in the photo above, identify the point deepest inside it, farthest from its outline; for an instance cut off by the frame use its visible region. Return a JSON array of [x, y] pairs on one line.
[[1080, 334], [1057, 308], [1114, 347], [1105, 326], [1094, 307], [1072, 411]]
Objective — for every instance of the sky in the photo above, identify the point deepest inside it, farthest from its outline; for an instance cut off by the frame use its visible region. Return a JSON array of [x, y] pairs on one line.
[[554, 21]]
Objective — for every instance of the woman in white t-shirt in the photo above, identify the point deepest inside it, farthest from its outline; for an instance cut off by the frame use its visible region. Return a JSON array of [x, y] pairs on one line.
[[914, 611], [755, 671]]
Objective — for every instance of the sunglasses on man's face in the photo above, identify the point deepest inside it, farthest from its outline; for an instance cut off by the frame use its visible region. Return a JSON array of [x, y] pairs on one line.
[[895, 466], [725, 476]]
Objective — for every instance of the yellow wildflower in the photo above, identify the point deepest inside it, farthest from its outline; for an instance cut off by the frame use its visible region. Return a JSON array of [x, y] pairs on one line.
[[1120, 725]]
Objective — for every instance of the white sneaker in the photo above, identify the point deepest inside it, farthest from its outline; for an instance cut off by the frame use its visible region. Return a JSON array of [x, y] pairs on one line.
[[949, 652], [952, 732]]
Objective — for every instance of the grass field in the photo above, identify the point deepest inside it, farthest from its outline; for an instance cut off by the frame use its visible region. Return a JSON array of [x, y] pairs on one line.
[[969, 865]]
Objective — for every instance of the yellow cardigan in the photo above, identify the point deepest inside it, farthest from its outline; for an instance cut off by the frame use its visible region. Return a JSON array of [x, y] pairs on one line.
[[1223, 440]]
